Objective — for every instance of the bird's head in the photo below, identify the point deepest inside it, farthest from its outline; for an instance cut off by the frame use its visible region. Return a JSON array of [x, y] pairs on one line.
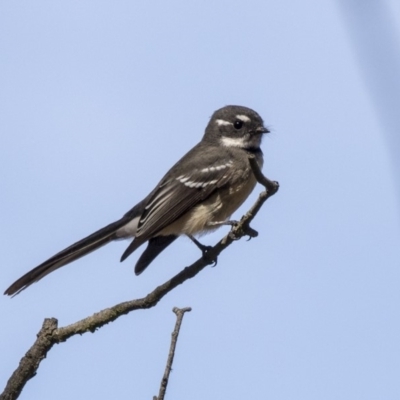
[[235, 126]]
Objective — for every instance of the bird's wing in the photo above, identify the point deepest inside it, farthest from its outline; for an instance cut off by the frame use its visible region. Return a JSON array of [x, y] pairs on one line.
[[180, 191], [177, 194]]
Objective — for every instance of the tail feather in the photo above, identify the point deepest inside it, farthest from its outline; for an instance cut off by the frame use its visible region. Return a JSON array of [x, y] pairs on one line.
[[71, 253], [133, 246], [154, 248]]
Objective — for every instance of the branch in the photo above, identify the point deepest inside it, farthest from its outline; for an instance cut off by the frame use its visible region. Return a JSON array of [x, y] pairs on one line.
[[174, 338], [30, 362], [50, 334]]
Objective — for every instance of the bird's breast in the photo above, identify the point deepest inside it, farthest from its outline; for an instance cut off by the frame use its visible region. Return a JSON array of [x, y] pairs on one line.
[[216, 208]]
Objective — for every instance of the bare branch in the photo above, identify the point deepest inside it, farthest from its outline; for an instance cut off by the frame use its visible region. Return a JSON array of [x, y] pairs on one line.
[[50, 334], [30, 362], [174, 338]]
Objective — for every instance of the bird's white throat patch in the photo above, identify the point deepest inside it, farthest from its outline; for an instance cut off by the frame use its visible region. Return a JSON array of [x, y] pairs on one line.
[[234, 142], [243, 142]]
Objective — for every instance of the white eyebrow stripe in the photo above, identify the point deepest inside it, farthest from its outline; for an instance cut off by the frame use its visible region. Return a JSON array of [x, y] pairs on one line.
[[243, 117], [223, 122]]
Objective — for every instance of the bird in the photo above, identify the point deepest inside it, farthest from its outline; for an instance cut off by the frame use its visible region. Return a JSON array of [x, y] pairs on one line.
[[196, 196]]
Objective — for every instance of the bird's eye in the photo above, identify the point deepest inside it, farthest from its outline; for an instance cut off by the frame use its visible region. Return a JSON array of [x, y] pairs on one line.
[[238, 124]]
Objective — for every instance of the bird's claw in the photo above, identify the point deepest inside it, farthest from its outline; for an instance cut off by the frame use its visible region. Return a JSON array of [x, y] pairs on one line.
[[204, 251], [251, 233], [243, 231], [213, 261]]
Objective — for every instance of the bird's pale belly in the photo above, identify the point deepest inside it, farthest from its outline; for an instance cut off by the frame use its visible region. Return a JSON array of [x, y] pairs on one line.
[[217, 208]]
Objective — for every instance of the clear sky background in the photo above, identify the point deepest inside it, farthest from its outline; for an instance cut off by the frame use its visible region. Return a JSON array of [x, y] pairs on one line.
[[98, 99]]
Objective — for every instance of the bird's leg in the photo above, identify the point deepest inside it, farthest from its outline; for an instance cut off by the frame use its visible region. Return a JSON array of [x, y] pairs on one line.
[[232, 222], [204, 250], [247, 230]]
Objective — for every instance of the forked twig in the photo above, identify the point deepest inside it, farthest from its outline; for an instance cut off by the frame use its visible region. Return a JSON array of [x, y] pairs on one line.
[[174, 339]]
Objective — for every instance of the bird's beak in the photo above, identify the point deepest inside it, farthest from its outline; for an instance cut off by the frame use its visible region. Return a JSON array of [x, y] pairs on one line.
[[262, 129]]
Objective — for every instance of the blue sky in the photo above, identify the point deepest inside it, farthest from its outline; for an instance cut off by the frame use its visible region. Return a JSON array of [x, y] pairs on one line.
[[99, 99]]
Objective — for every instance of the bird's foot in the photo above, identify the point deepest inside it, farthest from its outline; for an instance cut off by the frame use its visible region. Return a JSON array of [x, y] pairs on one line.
[[245, 230], [250, 232], [205, 250]]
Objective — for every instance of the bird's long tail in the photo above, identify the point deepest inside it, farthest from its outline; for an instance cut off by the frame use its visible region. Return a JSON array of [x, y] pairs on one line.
[[71, 253]]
